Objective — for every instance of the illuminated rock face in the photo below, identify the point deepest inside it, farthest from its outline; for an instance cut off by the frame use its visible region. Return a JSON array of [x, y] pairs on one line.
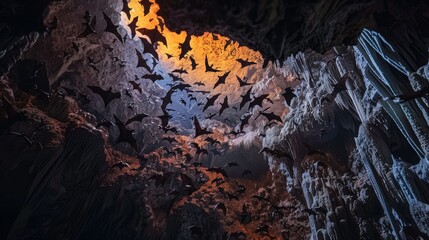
[[345, 163]]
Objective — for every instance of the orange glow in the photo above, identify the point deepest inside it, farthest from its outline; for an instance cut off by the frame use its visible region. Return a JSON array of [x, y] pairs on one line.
[[223, 58]]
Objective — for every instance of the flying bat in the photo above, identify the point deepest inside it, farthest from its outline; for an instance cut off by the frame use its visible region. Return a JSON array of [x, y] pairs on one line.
[[136, 86], [138, 118], [221, 80], [241, 82], [270, 116], [120, 165], [224, 105], [153, 77], [125, 8], [244, 63], [210, 101], [209, 68], [148, 48], [146, 6], [125, 135], [141, 62], [185, 47], [133, 25], [245, 98], [198, 129], [112, 28], [180, 71], [193, 63], [258, 101], [288, 95], [154, 35], [107, 96], [218, 170]]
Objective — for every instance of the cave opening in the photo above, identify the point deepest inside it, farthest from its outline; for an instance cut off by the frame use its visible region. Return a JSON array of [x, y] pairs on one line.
[[186, 119]]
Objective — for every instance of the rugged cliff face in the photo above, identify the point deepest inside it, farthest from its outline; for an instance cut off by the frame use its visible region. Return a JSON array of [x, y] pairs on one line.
[[340, 113]]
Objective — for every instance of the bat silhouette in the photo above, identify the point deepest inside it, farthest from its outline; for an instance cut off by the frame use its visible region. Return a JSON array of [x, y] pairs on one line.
[[244, 121], [209, 68], [154, 35], [221, 80], [193, 63], [210, 101], [153, 77], [136, 86], [112, 28], [168, 55], [218, 170], [224, 105], [141, 62], [185, 47], [258, 101], [146, 6], [133, 25], [198, 129], [125, 135], [288, 95], [125, 8], [106, 96], [270, 116], [180, 71], [244, 63], [241, 82], [148, 48], [245, 98], [138, 118]]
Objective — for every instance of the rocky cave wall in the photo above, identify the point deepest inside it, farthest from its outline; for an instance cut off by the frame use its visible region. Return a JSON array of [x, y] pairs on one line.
[[359, 159]]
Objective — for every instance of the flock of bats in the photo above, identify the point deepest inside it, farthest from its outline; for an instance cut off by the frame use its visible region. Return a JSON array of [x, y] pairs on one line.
[[178, 84]]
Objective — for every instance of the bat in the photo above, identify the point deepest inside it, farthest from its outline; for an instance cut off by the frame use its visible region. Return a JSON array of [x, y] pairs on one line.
[[153, 77], [218, 170], [146, 6], [133, 25], [224, 105], [154, 35], [141, 62], [148, 48], [125, 8], [112, 28], [245, 98], [125, 135], [270, 116], [138, 118], [198, 130], [288, 95], [185, 47], [257, 101], [209, 68], [180, 71], [241, 82], [136, 86], [244, 121], [221, 80], [106, 96], [193, 63], [244, 63], [210, 101]]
